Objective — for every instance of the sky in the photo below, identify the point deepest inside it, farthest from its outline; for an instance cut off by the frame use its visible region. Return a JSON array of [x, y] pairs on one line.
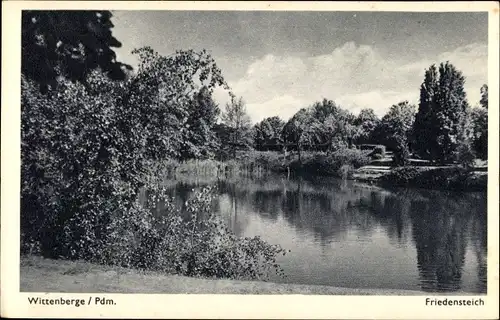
[[280, 62]]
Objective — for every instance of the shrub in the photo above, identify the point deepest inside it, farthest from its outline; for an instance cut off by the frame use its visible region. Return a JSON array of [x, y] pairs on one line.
[[378, 152], [354, 157], [440, 178], [340, 163], [402, 176], [82, 160], [86, 149], [199, 246], [345, 171]]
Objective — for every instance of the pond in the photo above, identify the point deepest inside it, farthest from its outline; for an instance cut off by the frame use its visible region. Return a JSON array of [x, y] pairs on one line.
[[345, 234]]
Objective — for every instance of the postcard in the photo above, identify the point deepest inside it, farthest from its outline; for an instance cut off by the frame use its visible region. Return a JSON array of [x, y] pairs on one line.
[[250, 160]]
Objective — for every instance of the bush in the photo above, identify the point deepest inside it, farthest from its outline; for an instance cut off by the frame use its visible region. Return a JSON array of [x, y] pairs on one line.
[[340, 163], [456, 178], [86, 152], [199, 246], [83, 158], [377, 156], [378, 152]]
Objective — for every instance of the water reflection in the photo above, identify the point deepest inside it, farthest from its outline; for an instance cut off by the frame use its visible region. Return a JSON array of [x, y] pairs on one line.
[[342, 234]]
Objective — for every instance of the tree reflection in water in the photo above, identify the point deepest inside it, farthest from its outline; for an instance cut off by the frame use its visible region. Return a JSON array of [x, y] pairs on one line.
[[438, 226]]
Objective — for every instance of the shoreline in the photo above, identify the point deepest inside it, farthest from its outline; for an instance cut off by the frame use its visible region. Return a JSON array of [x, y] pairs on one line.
[[38, 274]]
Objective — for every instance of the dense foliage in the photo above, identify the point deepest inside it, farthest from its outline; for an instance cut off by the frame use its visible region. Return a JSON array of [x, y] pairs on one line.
[[480, 125], [199, 245], [452, 178], [396, 126], [69, 44], [86, 153], [267, 134], [442, 126]]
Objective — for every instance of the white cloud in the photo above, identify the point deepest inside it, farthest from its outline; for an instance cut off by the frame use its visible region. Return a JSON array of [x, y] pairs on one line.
[[285, 106], [379, 101], [355, 76]]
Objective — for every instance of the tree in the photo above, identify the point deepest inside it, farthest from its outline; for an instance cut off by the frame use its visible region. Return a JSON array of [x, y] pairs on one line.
[[170, 89], [480, 125], [441, 122], [267, 133], [449, 113], [396, 126], [86, 149], [367, 121], [484, 96], [200, 140], [68, 44], [423, 129], [335, 125], [238, 122], [301, 129], [338, 131]]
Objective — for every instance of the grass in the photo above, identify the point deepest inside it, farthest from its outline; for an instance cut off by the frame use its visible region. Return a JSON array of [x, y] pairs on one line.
[[260, 163], [45, 275]]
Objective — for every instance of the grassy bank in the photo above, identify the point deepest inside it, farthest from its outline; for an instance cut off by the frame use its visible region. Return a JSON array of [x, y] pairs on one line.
[[45, 275], [341, 163], [346, 164]]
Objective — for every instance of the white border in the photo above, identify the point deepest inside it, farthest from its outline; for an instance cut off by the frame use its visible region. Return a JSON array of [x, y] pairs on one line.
[[15, 304]]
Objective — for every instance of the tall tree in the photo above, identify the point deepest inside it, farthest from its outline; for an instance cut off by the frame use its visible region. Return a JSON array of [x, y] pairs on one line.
[[267, 133], [237, 120], [397, 126], [449, 113], [68, 44], [423, 128], [441, 122]]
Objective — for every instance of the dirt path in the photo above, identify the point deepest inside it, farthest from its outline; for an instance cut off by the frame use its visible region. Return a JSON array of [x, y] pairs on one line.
[[44, 275]]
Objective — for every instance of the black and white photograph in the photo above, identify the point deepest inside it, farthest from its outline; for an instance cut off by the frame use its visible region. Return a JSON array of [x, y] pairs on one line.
[[254, 152]]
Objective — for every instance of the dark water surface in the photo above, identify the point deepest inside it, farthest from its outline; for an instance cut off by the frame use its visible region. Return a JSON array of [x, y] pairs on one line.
[[347, 235]]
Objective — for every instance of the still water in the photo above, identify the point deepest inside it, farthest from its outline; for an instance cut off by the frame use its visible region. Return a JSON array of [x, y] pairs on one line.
[[349, 235]]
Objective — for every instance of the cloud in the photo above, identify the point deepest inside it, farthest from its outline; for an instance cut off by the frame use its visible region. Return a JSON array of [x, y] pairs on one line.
[[285, 106], [355, 76], [379, 101]]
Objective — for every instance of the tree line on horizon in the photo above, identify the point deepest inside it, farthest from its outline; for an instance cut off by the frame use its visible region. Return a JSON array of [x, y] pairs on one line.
[[444, 128]]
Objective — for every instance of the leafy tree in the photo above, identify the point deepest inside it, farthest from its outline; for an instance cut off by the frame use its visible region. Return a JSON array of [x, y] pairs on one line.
[[200, 140], [450, 112], [423, 129], [441, 122], [338, 131], [335, 125], [169, 89], [480, 125], [238, 122], [86, 150], [367, 121], [68, 44], [301, 129], [397, 125], [268, 132], [484, 96], [324, 109]]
